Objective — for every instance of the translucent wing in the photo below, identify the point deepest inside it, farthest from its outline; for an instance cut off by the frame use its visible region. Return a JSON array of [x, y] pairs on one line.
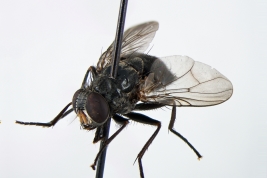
[[135, 39], [182, 81]]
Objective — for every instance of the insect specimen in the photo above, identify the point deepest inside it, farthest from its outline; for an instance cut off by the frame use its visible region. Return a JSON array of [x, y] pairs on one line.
[[143, 82]]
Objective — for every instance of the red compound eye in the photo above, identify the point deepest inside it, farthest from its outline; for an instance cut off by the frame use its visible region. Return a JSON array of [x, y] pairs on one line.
[[97, 108]]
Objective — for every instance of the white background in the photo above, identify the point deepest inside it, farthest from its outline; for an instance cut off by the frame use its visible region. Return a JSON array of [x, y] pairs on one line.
[[47, 46]]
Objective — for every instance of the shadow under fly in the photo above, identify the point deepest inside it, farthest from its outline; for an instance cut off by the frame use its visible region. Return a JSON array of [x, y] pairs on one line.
[[154, 82]]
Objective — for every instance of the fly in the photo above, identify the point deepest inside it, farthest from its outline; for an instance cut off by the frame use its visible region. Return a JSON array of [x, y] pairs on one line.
[[143, 83]]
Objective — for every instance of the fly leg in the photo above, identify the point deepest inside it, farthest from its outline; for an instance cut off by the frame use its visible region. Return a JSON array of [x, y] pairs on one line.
[[120, 120], [173, 117], [101, 130], [67, 113], [62, 114], [145, 120], [100, 133], [148, 106]]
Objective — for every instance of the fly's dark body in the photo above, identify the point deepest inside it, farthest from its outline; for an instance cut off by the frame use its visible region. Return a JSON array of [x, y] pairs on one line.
[[122, 93], [143, 82]]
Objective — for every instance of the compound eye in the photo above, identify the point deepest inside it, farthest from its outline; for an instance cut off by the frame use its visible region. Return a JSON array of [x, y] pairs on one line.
[[97, 108]]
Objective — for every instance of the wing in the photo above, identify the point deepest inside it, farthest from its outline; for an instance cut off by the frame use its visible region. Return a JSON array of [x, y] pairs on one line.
[[182, 81], [135, 39]]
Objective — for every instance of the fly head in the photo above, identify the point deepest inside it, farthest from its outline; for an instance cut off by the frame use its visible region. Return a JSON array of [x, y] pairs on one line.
[[91, 107]]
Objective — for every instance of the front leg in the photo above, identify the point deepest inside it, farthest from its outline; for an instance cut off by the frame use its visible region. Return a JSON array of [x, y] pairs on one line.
[[53, 122], [145, 120], [100, 133]]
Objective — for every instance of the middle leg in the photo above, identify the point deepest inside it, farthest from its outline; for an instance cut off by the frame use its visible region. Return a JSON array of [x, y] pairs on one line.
[[145, 120]]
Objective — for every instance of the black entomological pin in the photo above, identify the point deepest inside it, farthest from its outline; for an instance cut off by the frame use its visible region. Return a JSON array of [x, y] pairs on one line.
[[113, 74], [154, 82]]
